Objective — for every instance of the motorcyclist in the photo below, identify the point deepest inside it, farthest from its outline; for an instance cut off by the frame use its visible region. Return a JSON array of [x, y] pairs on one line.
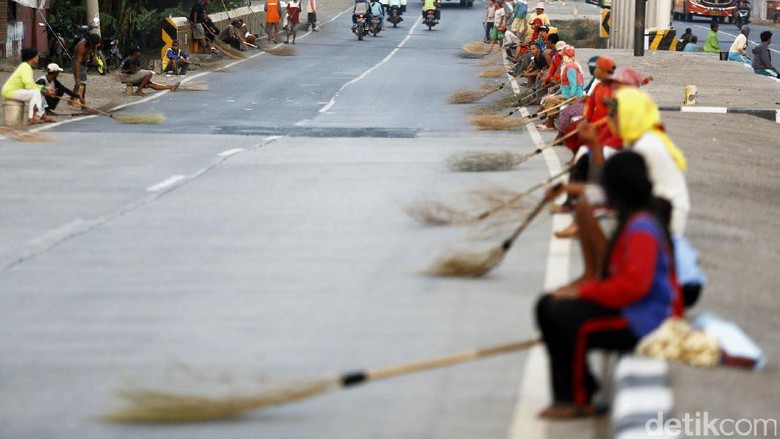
[[361, 8], [397, 3], [377, 10], [432, 4]]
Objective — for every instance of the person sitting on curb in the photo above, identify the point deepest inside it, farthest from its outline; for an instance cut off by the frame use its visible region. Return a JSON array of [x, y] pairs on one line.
[[541, 15], [712, 45], [131, 73], [762, 59], [231, 35], [21, 86], [636, 291], [50, 81], [739, 47], [693, 45], [684, 39], [176, 60]]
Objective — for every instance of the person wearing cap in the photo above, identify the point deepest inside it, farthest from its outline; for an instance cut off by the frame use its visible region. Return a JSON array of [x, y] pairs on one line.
[[50, 81], [85, 50], [131, 73], [176, 60], [21, 86], [540, 14], [572, 78]]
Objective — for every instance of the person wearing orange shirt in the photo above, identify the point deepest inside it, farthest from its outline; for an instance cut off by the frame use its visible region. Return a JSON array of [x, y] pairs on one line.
[[273, 14]]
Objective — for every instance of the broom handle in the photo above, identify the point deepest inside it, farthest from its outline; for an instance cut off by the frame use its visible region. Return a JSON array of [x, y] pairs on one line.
[[433, 363], [88, 108], [597, 123], [539, 206]]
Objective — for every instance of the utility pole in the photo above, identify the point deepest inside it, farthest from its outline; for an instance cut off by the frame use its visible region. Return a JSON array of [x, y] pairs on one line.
[[93, 16], [639, 27]]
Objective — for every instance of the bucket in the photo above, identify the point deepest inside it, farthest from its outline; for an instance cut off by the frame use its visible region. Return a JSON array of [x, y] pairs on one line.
[[724, 56], [13, 113], [690, 95]]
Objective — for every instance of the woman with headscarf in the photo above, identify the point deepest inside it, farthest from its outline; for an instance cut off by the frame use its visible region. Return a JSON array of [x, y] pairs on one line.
[[636, 291], [21, 86], [739, 47], [572, 79]]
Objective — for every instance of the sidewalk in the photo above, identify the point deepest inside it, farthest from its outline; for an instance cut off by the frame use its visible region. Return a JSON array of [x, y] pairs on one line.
[[732, 178]]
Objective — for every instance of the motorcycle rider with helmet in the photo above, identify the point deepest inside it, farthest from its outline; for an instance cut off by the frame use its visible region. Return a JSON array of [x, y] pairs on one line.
[[361, 8], [432, 4], [377, 10]]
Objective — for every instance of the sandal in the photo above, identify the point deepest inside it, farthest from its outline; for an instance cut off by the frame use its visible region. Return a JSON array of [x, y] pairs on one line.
[[175, 86], [34, 121], [543, 127], [139, 93], [46, 118]]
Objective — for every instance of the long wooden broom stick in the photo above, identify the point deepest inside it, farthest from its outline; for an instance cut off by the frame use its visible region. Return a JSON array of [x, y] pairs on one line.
[[487, 213], [479, 264], [161, 407], [148, 119]]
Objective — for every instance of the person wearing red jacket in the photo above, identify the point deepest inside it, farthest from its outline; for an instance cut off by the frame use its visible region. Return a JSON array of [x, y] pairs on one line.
[[636, 292]]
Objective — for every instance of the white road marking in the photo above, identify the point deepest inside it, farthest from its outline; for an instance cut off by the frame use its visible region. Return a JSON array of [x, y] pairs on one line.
[[715, 110], [230, 152], [166, 183], [332, 101]]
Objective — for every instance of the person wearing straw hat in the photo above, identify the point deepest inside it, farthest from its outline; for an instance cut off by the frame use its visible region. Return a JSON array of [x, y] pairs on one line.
[[50, 81], [131, 73], [21, 86], [636, 292]]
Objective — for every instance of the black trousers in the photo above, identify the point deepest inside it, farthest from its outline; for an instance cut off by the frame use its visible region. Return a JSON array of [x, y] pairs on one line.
[[570, 328], [52, 102]]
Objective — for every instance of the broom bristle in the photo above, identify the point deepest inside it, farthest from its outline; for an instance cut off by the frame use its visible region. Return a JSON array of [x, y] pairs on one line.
[[493, 72], [433, 213], [281, 51], [21, 136], [468, 55], [467, 264], [497, 122], [140, 119], [467, 96], [477, 47], [193, 86], [160, 407], [228, 50], [492, 59], [484, 161]]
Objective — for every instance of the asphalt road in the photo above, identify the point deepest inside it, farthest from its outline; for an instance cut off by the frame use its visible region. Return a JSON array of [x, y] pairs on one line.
[[256, 235]]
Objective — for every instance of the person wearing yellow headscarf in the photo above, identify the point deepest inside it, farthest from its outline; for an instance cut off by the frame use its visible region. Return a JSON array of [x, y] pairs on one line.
[[638, 122]]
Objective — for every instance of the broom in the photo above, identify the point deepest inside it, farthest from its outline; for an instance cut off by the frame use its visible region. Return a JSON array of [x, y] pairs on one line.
[[491, 161], [497, 122], [493, 72], [489, 60], [228, 50], [539, 113], [285, 50], [22, 136], [477, 47], [469, 96], [479, 264], [141, 119], [193, 86], [160, 407]]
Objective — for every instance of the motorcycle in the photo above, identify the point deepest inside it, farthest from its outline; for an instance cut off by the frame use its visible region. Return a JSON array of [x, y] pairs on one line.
[[375, 26], [394, 15], [430, 19], [360, 28], [111, 53], [742, 14]]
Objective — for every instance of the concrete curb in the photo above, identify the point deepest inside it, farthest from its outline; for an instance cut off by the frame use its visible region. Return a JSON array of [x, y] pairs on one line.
[[642, 394], [773, 115]]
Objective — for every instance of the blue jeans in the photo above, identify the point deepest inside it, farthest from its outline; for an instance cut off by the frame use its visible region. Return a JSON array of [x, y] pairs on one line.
[[735, 56]]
